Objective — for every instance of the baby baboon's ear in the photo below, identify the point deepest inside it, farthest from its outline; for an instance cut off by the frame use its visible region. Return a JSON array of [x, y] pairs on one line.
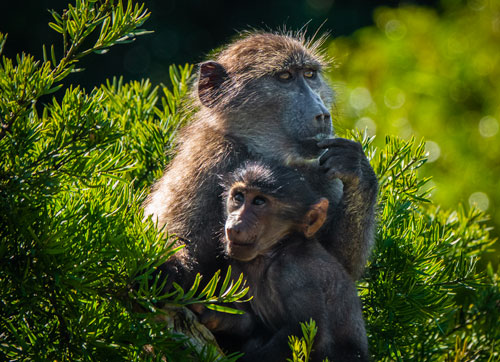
[[316, 217], [211, 77]]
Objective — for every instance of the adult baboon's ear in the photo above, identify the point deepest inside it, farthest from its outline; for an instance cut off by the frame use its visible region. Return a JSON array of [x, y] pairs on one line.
[[316, 217], [211, 77]]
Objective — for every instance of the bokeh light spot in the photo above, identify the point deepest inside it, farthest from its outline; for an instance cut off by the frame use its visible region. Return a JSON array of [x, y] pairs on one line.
[[368, 124], [395, 30], [488, 126], [433, 151], [477, 5], [360, 98], [479, 200], [394, 98]]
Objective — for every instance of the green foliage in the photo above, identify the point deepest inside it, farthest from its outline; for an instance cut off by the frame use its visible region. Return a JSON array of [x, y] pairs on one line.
[[77, 259], [302, 347], [422, 292], [228, 293], [421, 73]]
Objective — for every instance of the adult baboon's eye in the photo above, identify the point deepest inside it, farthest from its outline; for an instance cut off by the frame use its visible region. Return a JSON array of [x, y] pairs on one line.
[[284, 76], [309, 73], [258, 200], [239, 197]]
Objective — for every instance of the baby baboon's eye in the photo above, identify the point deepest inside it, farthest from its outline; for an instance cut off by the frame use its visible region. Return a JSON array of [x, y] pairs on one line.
[[259, 201], [285, 76], [239, 197], [309, 73]]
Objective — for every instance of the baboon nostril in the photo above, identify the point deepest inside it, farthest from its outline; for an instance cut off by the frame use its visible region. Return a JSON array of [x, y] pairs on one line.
[[323, 117]]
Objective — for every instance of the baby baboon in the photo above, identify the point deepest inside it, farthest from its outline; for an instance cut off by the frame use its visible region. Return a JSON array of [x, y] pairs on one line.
[[263, 97], [272, 217]]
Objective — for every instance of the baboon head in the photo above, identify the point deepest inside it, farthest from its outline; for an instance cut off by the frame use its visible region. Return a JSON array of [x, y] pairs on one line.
[[265, 204], [269, 90]]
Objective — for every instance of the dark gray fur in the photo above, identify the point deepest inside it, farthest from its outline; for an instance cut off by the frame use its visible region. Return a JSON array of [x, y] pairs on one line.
[[293, 281], [299, 281]]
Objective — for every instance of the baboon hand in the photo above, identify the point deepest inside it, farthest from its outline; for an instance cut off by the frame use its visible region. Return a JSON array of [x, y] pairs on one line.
[[207, 317], [344, 159]]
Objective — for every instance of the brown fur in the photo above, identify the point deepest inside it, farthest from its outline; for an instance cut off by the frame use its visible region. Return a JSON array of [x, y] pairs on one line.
[[258, 54], [245, 113]]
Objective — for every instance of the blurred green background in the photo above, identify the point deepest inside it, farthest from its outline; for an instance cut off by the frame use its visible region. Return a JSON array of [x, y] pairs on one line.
[[426, 69], [431, 73]]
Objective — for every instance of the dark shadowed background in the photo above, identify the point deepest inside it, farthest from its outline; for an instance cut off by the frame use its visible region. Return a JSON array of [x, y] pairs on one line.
[[185, 30]]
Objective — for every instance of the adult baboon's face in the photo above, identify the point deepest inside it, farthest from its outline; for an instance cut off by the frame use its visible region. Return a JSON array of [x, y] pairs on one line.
[[301, 101], [268, 88]]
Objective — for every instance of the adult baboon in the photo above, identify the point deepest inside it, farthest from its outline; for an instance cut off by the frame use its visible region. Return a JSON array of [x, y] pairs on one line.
[[263, 97], [272, 217]]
